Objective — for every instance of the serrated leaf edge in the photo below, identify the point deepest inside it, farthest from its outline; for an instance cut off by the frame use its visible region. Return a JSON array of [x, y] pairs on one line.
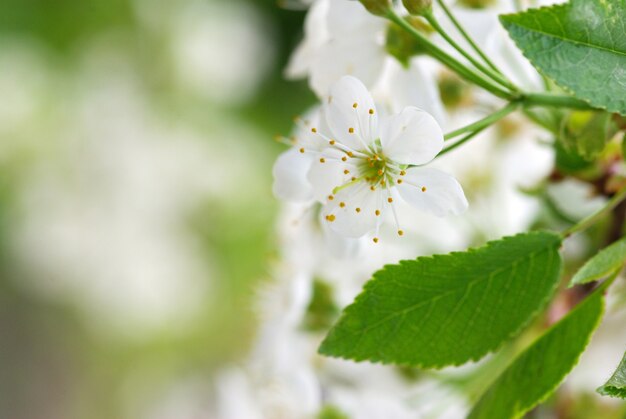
[[574, 364], [567, 89], [376, 360]]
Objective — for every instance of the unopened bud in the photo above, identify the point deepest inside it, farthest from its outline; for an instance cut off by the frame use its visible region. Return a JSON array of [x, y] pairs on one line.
[[377, 7], [418, 7]]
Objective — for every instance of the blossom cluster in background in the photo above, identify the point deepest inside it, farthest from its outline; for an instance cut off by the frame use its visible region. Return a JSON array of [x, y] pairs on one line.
[[161, 257]]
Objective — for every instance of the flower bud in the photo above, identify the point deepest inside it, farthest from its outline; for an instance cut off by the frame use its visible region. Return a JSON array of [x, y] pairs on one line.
[[377, 7], [418, 7]]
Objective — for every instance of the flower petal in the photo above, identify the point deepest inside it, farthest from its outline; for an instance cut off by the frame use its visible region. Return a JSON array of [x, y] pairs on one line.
[[325, 177], [351, 114], [433, 191], [352, 212], [290, 176], [315, 35], [416, 86], [411, 137]]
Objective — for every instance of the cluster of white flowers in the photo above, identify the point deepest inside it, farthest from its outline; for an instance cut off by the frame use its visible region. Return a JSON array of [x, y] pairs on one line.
[[355, 161]]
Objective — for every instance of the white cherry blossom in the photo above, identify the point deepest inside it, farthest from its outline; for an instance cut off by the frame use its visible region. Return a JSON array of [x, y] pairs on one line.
[[358, 164]]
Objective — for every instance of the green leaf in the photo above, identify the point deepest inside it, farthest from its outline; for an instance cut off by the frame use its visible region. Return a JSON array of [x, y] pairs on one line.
[[449, 309], [616, 386], [607, 261], [539, 370], [587, 132], [581, 45]]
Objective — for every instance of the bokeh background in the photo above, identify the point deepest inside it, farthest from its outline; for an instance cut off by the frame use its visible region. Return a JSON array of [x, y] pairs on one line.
[[136, 145]]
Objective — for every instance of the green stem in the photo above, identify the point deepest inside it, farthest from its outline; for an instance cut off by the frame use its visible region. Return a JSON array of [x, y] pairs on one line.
[[466, 36], [448, 60], [462, 141], [559, 101], [485, 70], [485, 122], [593, 218]]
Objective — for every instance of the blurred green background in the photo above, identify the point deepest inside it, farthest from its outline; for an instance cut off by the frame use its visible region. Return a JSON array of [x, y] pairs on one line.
[[136, 145]]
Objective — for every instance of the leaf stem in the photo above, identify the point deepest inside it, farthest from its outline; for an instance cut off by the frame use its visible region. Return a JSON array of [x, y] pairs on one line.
[[466, 36], [485, 122], [448, 60], [559, 101], [593, 218]]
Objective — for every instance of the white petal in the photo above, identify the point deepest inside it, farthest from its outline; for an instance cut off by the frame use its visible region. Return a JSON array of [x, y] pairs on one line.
[[416, 86], [411, 137], [353, 126], [349, 19], [347, 221], [315, 35], [325, 177], [433, 191], [290, 176]]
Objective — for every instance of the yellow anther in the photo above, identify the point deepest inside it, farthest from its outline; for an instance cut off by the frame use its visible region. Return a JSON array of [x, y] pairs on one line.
[[330, 218], [402, 173], [345, 172], [313, 130], [342, 204], [375, 239], [302, 150], [331, 142], [383, 183], [354, 105], [331, 197], [372, 188], [371, 111], [380, 172], [399, 181], [353, 178], [358, 209], [423, 188], [377, 212], [350, 154], [351, 130], [322, 160], [400, 233], [390, 200], [344, 158]]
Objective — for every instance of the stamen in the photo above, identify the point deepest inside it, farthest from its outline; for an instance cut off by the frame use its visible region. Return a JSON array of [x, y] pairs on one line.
[[344, 158], [375, 239], [423, 188], [342, 204], [351, 130], [302, 150], [345, 172], [400, 233], [330, 218], [331, 197], [358, 209], [377, 212], [314, 130], [371, 111], [322, 160], [390, 200], [354, 105], [402, 173], [399, 181], [331, 142]]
